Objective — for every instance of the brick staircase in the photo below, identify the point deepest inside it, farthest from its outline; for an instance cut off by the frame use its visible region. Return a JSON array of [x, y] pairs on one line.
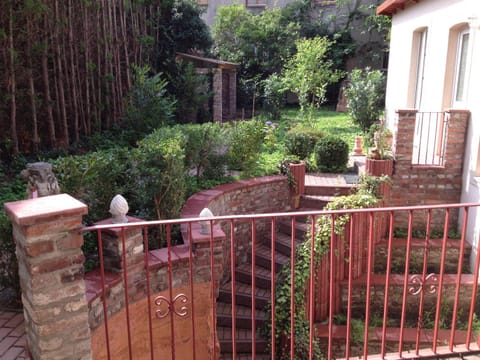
[[315, 198]]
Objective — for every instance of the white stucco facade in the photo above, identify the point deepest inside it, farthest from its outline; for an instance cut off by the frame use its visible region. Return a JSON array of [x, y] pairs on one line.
[[443, 22]]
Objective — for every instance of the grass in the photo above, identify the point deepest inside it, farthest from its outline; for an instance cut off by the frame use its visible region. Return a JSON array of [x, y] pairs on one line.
[[327, 120]]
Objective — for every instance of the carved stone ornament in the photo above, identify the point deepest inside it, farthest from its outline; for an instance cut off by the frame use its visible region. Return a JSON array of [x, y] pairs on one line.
[[41, 180], [119, 209], [205, 225]]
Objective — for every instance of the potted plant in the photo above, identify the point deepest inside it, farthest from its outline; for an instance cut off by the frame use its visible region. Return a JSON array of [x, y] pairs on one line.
[[380, 159]]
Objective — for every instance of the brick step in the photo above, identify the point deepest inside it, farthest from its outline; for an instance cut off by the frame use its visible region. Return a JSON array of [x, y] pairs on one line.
[[263, 278], [300, 229], [398, 250], [392, 335], [316, 202], [244, 340], [263, 257], [328, 190], [245, 357], [283, 244], [243, 316], [396, 285], [243, 295]]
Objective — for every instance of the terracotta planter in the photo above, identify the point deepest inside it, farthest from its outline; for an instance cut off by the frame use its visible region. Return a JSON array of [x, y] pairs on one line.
[[379, 167]]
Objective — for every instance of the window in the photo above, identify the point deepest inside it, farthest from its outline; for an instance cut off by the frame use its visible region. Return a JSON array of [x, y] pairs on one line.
[[421, 51], [461, 67]]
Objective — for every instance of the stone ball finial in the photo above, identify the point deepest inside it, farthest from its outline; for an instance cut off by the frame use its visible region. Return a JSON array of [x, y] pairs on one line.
[[205, 225], [119, 209]]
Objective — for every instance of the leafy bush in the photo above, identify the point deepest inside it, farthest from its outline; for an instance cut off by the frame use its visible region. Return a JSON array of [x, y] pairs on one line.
[[245, 141], [148, 104], [331, 154], [204, 144], [158, 172], [365, 96], [300, 141], [273, 95]]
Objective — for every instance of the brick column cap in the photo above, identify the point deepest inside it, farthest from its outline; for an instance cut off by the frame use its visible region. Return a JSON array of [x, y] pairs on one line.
[[460, 111], [32, 211], [406, 111], [118, 229]]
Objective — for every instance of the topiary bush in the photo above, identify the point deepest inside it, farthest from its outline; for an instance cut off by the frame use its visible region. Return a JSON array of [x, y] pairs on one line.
[[331, 154], [300, 141]]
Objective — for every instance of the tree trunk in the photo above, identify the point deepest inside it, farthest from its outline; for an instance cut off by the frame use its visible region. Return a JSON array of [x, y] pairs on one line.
[[12, 84], [31, 83], [46, 87]]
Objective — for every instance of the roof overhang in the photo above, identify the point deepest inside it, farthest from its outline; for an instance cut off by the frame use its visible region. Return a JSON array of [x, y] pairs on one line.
[[390, 7], [208, 62]]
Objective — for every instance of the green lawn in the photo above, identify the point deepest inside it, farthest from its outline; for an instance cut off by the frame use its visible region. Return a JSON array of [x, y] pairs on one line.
[[329, 121]]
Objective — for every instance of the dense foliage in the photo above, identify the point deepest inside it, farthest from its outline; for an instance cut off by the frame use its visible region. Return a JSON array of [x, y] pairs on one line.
[[365, 96]]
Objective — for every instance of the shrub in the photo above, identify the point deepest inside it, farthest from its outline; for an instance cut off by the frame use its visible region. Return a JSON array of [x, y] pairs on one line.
[[148, 104], [300, 141], [245, 139], [273, 95], [331, 154], [365, 96], [204, 144]]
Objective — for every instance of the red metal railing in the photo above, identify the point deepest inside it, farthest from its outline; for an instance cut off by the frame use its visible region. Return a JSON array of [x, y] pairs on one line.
[[388, 295], [430, 138]]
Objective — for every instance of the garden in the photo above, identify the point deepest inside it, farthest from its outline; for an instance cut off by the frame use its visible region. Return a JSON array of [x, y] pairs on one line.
[[153, 143]]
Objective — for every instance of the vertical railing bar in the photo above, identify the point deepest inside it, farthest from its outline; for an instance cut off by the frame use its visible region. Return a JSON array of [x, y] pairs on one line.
[[420, 121], [440, 281], [192, 297], [234, 307], [405, 282], [387, 285], [149, 289], [474, 295], [369, 283], [437, 118], [293, 245], [125, 285], [311, 302], [331, 280], [254, 286], [424, 276], [427, 147], [104, 292], [459, 278], [350, 286], [212, 275], [170, 288], [272, 285]]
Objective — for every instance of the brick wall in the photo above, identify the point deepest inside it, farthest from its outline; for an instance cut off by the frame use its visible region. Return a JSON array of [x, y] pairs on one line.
[[427, 185]]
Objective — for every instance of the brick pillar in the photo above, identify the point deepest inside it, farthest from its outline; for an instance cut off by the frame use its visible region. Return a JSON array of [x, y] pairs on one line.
[[233, 94], [217, 95], [134, 262], [50, 262], [403, 142], [457, 130]]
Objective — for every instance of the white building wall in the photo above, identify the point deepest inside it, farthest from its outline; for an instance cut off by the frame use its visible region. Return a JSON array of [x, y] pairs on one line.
[[439, 16]]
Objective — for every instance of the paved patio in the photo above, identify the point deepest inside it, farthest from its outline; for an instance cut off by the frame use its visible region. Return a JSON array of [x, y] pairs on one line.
[[12, 335]]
